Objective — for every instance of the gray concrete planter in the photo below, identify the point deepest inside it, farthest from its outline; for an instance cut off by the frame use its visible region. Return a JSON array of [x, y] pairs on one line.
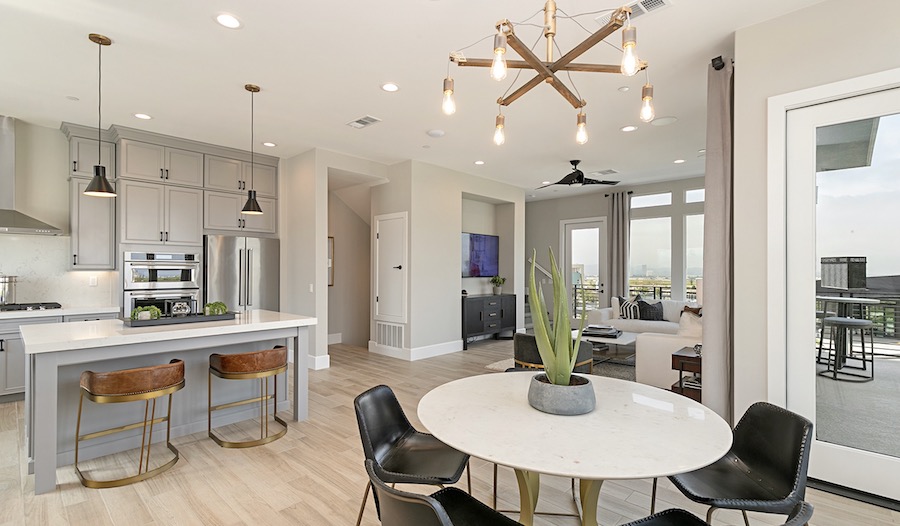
[[577, 398]]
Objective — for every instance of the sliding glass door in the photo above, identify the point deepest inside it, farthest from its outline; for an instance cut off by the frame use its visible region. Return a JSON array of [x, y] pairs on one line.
[[583, 260]]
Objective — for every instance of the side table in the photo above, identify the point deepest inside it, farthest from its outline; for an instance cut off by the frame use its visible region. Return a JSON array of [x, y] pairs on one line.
[[686, 360]]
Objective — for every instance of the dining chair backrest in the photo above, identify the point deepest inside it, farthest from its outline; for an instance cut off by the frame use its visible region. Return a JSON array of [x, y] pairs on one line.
[[774, 441], [381, 421], [400, 508], [525, 351]]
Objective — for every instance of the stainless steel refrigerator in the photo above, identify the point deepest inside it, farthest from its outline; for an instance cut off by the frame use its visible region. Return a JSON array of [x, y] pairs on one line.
[[241, 271]]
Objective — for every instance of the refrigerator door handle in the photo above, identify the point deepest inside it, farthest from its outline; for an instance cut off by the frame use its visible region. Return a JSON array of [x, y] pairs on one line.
[[241, 277], [249, 276]]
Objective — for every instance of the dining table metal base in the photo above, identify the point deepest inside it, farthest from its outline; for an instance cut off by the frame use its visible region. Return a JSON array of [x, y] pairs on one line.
[[530, 488]]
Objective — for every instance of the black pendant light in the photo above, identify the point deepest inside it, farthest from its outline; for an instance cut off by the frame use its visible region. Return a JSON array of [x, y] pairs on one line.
[[99, 185], [251, 207]]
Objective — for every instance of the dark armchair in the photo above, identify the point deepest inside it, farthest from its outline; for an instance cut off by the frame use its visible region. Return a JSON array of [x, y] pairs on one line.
[[526, 354]]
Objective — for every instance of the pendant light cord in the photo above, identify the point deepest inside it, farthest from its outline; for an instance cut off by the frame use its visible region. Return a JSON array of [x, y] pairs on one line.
[[99, 95], [252, 140]]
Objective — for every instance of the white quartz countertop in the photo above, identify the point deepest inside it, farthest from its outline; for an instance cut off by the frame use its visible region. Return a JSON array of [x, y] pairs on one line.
[[55, 337], [65, 311]]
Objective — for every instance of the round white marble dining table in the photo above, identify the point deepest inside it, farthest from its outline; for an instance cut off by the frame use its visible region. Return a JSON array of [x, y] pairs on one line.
[[636, 431]]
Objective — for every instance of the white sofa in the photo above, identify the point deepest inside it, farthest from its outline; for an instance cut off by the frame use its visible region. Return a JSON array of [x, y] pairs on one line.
[[656, 340]]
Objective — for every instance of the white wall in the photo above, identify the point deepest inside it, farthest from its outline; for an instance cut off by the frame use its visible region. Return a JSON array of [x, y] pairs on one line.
[[807, 48], [41, 262], [348, 299]]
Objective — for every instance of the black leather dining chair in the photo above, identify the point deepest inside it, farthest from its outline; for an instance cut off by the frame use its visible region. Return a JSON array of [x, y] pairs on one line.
[[403, 454], [800, 515], [526, 354], [446, 507], [765, 469]]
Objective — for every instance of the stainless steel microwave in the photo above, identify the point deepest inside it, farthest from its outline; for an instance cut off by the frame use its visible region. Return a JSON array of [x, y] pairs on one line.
[[153, 271]]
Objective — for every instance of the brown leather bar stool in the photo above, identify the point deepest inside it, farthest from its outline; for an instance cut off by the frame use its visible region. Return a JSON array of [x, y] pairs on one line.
[[247, 366], [130, 385]]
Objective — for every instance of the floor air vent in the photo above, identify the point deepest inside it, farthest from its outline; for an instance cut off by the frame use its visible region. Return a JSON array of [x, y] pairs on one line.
[[389, 334], [608, 171], [364, 122], [637, 9]]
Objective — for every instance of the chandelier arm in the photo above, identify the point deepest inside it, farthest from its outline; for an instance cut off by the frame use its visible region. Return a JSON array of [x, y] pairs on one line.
[[521, 64], [543, 73], [614, 24]]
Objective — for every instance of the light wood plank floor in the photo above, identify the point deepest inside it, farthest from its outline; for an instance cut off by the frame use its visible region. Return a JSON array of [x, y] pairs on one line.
[[315, 475]]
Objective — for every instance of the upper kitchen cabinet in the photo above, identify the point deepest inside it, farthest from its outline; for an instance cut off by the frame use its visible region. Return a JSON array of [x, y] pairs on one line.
[[159, 214], [151, 162], [222, 211], [83, 157], [232, 175], [93, 221], [262, 178]]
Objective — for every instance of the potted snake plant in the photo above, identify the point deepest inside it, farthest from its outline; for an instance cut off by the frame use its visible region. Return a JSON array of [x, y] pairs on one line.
[[557, 390]]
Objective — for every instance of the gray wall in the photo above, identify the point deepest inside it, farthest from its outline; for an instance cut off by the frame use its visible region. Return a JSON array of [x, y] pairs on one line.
[[348, 299], [824, 49]]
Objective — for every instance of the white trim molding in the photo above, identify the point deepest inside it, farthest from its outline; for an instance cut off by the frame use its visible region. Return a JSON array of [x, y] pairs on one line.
[[317, 363], [418, 353]]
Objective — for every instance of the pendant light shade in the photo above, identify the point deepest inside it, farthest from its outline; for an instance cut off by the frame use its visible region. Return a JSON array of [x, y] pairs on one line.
[[99, 185], [251, 207]]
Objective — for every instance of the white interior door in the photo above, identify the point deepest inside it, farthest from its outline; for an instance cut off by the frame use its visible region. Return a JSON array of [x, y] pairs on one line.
[[842, 191], [391, 271], [583, 259]]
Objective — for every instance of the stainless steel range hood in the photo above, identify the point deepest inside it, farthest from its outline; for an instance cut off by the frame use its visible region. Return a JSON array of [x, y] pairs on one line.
[[11, 220]]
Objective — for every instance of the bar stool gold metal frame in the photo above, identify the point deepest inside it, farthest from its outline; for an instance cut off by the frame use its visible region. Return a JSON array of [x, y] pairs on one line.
[[263, 399], [144, 471]]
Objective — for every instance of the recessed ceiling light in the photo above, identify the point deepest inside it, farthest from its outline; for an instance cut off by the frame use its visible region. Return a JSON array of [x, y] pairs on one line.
[[629, 128], [143, 116], [479, 163], [545, 182], [73, 98], [390, 87], [701, 150], [437, 134], [229, 21], [270, 144], [663, 121], [530, 195], [623, 89], [678, 161]]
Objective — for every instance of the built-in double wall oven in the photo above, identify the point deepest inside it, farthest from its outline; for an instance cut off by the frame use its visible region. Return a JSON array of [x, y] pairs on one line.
[[168, 281]]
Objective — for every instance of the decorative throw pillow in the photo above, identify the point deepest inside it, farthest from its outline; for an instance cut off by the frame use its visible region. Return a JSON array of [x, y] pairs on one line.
[[693, 310], [629, 309], [650, 311], [690, 325]]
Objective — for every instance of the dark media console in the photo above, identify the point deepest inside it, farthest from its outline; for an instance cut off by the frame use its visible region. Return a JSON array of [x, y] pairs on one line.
[[487, 314]]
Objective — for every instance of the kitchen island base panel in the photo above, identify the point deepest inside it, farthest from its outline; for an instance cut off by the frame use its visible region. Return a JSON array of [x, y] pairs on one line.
[[106, 340]]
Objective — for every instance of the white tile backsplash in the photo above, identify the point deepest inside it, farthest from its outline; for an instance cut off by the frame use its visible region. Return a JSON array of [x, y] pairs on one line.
[[41, 263]]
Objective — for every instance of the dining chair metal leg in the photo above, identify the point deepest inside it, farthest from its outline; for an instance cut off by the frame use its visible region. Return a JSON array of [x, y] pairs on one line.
[[495, 486], [746, 520], [469, 475], [708, 514], [362, 507], [653, 497]]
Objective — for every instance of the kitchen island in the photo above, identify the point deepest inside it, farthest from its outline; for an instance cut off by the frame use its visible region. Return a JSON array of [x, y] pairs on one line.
[[57, 353]]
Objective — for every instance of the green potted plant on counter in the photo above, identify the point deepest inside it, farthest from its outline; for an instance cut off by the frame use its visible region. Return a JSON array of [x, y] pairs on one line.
[[498, 282], [557, 390]]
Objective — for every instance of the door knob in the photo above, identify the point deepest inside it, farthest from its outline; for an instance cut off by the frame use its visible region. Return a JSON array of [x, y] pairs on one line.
[[399, 267]]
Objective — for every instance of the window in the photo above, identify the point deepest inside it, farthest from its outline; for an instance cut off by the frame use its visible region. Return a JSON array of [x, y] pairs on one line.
[[646, 201], [695, 196], [693, 254], [650, 263]]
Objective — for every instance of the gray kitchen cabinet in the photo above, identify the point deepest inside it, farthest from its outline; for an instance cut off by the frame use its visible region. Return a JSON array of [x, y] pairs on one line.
[[231, 175], [92, 317], [222, 211], [12, 353], [161, 214], [93, 222], [264, 179], [151, 162], [83, 157]]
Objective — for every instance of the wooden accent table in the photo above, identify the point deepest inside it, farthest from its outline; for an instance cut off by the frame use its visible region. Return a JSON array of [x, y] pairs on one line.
[[686, 360]]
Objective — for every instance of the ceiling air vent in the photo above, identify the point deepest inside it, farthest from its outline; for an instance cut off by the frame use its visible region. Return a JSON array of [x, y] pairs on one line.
[[637, 9], [608, 171], [364, 122]]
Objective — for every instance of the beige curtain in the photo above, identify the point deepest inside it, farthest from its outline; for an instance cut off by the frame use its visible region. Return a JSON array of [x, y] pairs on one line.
[[718, 268], [619, 233]]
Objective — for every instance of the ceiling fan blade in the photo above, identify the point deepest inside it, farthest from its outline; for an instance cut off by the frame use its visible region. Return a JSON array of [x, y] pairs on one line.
[[573, 177], [599, 181]]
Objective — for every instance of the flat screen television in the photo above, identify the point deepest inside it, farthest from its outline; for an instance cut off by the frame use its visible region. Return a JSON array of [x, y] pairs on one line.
[[480, 255]]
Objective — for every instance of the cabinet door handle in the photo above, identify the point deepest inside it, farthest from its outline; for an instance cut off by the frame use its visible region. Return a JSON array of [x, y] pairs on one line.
[[161, 174], [481, 316], [2, 345], [74, 259], [167, 236], [160, 235], [167, 173], [74, 166]]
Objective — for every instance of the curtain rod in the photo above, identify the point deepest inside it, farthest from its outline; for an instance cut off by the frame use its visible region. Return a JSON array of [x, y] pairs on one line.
[[628, 192]]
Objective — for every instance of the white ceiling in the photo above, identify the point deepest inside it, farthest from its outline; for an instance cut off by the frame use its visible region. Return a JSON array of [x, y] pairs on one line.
[[321, 65]]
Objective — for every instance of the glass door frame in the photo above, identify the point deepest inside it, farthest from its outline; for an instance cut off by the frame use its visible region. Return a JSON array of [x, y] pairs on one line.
[[603, 257], [799, 261]]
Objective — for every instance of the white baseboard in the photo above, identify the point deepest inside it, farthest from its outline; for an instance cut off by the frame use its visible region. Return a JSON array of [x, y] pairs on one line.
[[335, 338], [317, 363], [419, 353]]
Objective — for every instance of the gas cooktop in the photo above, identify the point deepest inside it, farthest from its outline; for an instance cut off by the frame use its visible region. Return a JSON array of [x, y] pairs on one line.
[[30, 306]]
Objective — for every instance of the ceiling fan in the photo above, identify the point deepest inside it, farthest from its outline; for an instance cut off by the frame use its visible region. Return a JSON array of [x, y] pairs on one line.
[[577, 178]]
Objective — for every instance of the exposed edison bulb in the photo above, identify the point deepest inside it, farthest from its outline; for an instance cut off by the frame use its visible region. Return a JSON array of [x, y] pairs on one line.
[[630, 62], [647, 112], [448, 105], [581, 135], [499, 135], [498, 66]]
